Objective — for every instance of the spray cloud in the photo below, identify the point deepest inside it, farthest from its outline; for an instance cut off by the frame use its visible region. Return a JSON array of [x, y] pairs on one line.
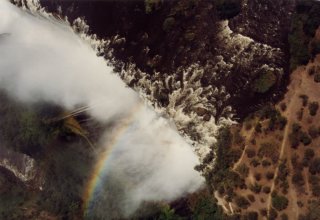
[[44, 60]]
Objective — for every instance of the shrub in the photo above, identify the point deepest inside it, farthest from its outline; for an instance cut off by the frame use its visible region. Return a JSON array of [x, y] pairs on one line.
[[264, 82], [256, 188], [257, 176], [269, 175], [304, 100], [284, 216], [295, 127], [250, 153], [317, 77], [258, 127], [308, 154], [242, 202], [263, 212], [251, 216], [251, 198], [283, 106], [313, 108], [316, 190], [273, 214], [305, 139], [311, 71], [300, 114], [282, 121], [269, 150], [315, 166], [313, 132], [314, 180], [168, 24], [294, 140], [243, 169], [228, 8], [279, 202], [266, 189], [298, 179], [255, 163], [238, 138], [266, 163], [221, 190]]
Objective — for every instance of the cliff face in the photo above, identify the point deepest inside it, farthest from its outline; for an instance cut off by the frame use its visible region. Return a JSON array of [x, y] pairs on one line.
[[267, 22], [20, 164], [173, 35]]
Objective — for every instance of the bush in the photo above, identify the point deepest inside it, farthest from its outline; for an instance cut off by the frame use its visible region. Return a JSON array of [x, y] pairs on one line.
[[316, 190], [228, 8], [283, 106], [257, 176], [168, 24], [308, 154], [255, 163], [284, 216], [313, 108], [305, 139], [256, 188], [273, 214], [269, 150], [269, 175], [313, 132], [304, 100], [298, 179], [314, 180], [266, 163], [315, 166], [295, 127], [282, 122], [258, 127], [243, 170], [263, 212], [242, 202], [294, 140], [300, 114], [279, 202], [266, 189], [250, 153], [251, 198], [317, 77], [264, 82], [251, 216]]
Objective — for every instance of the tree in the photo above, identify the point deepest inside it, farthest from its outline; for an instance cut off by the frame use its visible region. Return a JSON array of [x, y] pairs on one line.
[[313, 108], [308, 154], [242, 202], [266, 189], [314, 167], [279, 202], [305, 139], [250, 153], [284, 216], [298, 179]]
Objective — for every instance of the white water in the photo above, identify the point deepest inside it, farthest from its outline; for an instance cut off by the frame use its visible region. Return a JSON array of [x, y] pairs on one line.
[[42, 59]]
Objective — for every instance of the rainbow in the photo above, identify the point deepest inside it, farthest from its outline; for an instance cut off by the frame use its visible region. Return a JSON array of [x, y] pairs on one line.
[[100, 166]]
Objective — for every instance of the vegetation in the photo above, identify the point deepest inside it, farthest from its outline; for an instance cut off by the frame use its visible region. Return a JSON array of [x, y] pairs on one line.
[[250, 153], [269, 150], [314, 167], [304, 24], [168, 24], [313, 108], [242, 202], [227, 8], [264, 82], [279, 202]]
